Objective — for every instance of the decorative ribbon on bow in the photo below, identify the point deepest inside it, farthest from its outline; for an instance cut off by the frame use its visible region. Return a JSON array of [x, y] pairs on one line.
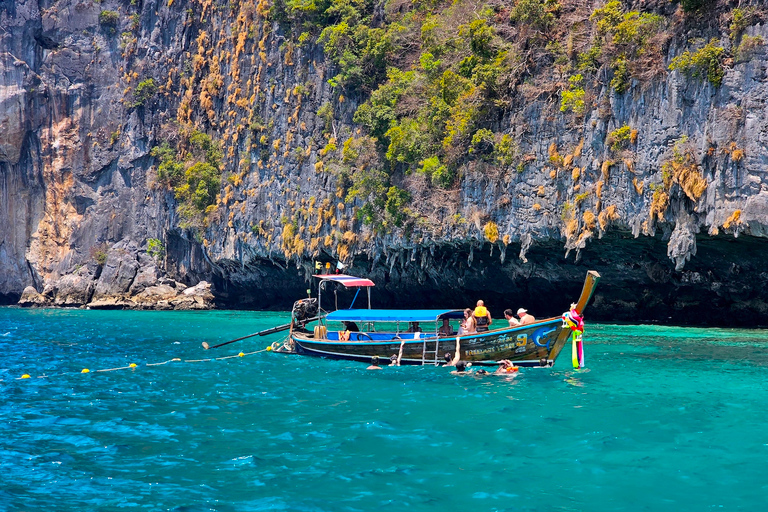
[[573, 320]]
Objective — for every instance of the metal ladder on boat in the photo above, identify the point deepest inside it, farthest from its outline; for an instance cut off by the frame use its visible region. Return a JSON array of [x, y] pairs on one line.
[[424, 352]]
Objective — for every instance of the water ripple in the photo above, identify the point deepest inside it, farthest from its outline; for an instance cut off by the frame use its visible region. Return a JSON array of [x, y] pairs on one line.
[[678, 411]]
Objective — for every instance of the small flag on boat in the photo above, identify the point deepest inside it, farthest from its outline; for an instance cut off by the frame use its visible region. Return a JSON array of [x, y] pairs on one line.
[[318, 265], [340, 265]]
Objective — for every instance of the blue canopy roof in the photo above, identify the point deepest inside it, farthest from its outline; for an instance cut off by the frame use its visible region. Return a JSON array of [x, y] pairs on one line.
[[393, 315]]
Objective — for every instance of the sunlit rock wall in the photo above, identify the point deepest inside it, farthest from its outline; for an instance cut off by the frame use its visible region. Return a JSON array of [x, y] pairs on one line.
[[79, 198]]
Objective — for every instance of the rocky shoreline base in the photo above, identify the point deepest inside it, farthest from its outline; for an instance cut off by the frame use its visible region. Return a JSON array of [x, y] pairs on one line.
[[168, 295], [125, 276]]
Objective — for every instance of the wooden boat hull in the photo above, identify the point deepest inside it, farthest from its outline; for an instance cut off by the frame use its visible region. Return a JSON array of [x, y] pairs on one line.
[[537, 344]]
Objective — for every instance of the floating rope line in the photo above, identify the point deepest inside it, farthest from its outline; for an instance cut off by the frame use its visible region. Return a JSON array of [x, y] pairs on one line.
[[242, 354], [227, 357], [164, 362], [27, 376], [133, 366]]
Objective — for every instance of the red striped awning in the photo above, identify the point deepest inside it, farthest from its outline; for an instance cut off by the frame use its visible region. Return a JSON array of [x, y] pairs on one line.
[[346, 280]]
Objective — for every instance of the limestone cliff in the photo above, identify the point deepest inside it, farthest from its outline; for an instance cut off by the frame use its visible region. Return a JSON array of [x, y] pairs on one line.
[[495, 148]]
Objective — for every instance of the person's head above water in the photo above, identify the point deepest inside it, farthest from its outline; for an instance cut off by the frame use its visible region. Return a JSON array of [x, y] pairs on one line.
[[448, 357], [375, 360], [461, 366]]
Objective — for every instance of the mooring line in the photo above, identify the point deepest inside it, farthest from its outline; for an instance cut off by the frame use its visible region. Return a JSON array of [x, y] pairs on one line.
[[133, 366], [164, 362]]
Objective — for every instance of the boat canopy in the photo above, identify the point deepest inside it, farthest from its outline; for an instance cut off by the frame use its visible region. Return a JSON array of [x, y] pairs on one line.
[[346, 280], [393, 315]]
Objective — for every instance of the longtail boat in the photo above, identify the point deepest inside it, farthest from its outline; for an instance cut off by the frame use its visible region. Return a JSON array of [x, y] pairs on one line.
[[384, 332]]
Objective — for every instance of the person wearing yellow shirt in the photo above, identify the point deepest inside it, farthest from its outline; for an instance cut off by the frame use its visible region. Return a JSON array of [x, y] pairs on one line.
[[483, 317]]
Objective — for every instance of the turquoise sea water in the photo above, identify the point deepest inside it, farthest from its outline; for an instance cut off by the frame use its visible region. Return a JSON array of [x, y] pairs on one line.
[[662, 419]]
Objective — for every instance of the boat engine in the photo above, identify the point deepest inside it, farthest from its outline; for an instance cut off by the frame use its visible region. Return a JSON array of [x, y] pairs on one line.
[[304, 308]]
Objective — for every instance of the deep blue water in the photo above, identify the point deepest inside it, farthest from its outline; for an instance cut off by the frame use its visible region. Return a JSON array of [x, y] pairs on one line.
[[661, 419]]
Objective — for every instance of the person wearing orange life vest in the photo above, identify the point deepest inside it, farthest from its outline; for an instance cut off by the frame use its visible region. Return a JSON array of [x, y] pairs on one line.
[[482, 316], [506, 367]]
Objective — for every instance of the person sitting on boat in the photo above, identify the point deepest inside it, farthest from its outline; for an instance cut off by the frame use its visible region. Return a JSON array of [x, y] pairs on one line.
[[513, 322], [413, 327], [469, 325], [525, 318], [349, 328], [374, 364], [482, 317], [506, 367], [446, 329]]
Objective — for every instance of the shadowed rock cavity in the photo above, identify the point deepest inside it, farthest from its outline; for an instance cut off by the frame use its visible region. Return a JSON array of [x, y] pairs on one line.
[[722, 285]]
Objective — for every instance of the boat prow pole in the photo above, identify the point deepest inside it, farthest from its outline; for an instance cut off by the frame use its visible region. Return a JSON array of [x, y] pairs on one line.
[[590, 282]]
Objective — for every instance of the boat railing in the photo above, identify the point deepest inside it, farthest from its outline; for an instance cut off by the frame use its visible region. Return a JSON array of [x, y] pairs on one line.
[[384, 336]]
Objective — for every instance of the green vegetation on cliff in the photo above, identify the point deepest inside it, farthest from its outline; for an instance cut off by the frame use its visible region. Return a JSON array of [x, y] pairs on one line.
[[424, 100], [435, 82], [194, 174]]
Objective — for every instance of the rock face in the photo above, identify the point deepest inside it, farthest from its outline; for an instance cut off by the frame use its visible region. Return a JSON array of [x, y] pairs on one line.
[[126, 279], [721, 285], [85, 219]]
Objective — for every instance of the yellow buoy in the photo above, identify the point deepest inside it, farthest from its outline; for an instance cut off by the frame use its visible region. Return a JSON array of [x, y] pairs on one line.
[[132, 365], [269, 348], [26, 376], [85, 370], [240, 354]]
